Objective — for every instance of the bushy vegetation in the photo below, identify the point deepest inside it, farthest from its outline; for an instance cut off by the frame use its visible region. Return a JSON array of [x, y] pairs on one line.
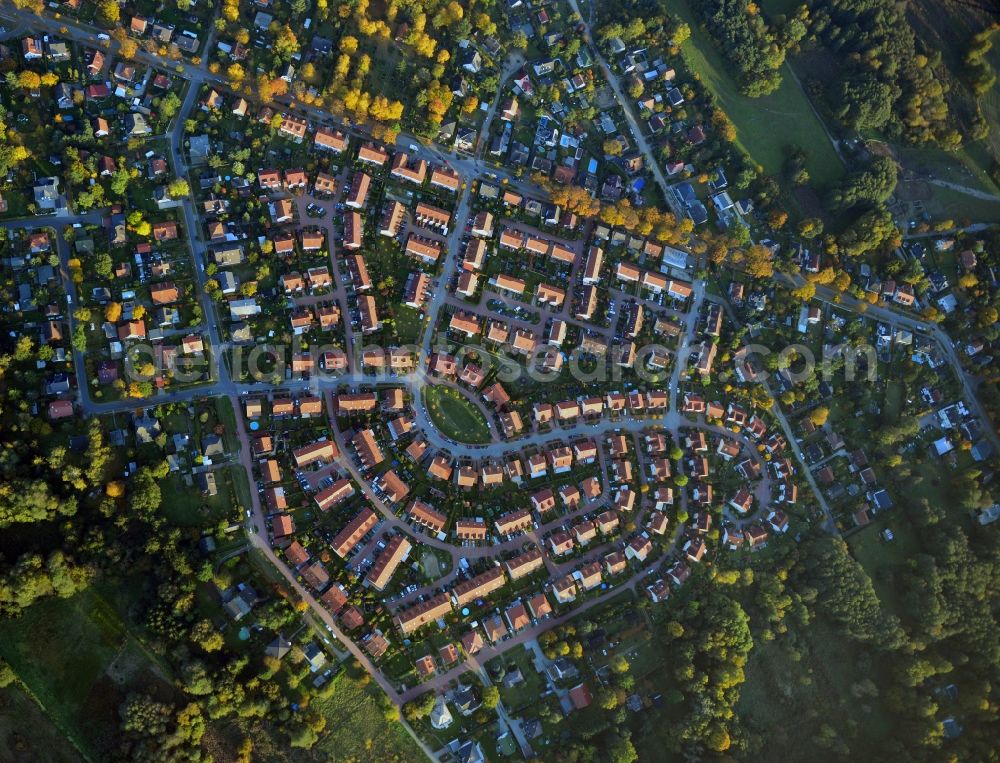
[[872, 185], [980, 75]]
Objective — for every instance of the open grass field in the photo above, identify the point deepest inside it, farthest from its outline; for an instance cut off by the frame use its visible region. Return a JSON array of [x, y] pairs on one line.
[[78, 659], [27, 735], [455, 416], [764, 126], [883, 559], [367, 735]]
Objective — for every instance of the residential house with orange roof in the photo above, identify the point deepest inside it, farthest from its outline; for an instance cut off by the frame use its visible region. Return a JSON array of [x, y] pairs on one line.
[[372, 154], [349, 537], [357, 195], [413, 171]]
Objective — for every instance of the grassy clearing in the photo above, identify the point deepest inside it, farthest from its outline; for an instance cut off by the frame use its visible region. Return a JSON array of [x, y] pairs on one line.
[[185, 505], [27, 735], [776, 7], [882, 559], [455, 416], [765, 126], [368, 735], [960, 207], [78, 659], [959, 167]]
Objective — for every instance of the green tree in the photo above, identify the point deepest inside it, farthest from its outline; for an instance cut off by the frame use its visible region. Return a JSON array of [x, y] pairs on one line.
[[207, 636], [109, 11], [170, 104], [491, 697], [178, 188], [7, 674], [873, 185]]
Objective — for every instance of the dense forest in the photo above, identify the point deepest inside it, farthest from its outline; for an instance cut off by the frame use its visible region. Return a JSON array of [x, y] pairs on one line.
[[947, 639], [885, 82], [755, 50]]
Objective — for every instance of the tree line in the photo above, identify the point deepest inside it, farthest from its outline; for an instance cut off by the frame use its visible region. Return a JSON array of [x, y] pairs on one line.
[[77, 523]]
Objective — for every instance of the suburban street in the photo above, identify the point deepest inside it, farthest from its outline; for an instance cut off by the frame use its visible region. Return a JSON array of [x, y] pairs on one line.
[[652, 161]]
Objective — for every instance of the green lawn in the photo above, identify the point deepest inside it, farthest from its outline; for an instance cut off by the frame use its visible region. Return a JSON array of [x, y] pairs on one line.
[[526, 693], [17, 204], [227, 417], [408, 324], [185, 505], [765, 126], [894, 391], [455, 416]]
